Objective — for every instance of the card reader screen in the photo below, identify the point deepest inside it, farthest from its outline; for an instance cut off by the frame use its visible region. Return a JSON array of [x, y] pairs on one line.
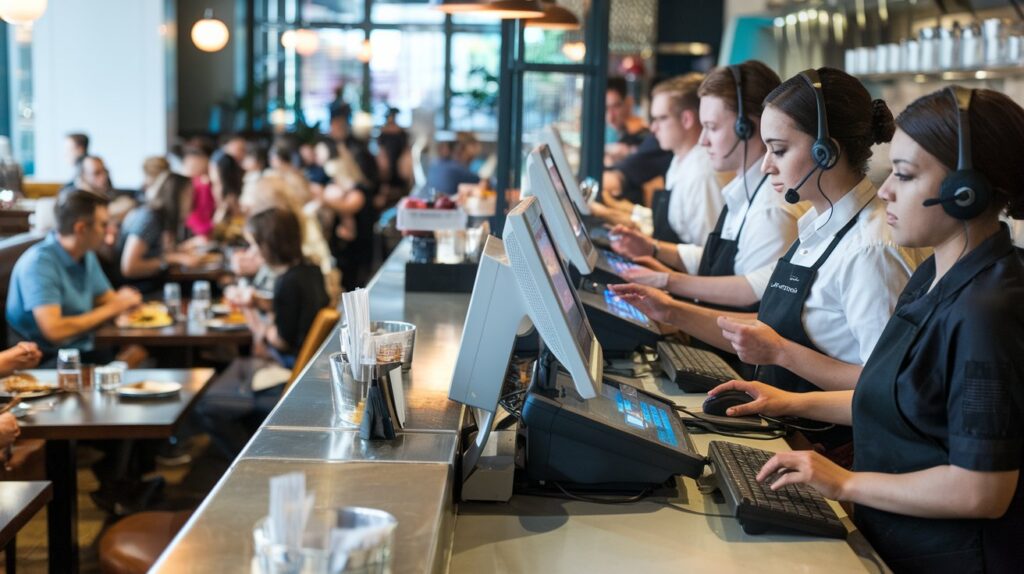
[[643, 415], [622, 309]]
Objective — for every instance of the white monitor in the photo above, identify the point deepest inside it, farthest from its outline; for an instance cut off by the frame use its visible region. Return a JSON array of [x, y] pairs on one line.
[[553, 139], [520, 277], [560, 213]]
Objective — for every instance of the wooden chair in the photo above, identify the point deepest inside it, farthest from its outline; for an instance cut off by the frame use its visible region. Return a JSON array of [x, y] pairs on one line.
[[323, 324], [132, 545], [37, 189]]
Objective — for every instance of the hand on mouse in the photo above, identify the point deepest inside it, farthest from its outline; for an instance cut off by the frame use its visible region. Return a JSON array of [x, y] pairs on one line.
[[755, 342], [767, 399], [807, 467]]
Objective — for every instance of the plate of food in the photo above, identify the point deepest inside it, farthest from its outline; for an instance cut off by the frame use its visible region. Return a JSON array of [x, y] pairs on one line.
[[149, 389], [234, 321], [26, 386], [146, 316]]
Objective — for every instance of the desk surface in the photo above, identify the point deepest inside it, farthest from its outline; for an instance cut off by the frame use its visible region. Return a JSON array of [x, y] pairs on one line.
[[19, 502], [94, 415], [528, 534], [532, 534]]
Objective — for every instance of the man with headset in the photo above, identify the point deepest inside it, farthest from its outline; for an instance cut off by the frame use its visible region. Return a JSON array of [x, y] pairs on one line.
[[754, 229]]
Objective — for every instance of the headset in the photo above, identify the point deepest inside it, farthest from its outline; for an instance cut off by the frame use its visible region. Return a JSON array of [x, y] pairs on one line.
[[825, 150], [744, 128], [965, 193]]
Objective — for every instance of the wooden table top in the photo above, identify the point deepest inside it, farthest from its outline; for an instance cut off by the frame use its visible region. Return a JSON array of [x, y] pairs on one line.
[[94, 415], [180, 334], [19, 502]]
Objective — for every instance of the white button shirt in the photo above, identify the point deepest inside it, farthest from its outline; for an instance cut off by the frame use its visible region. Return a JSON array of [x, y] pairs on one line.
[[855, 290], [696, 198], [770, 228]]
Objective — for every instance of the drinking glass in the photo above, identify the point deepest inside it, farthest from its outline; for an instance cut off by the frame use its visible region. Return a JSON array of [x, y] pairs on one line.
[[69, 370]]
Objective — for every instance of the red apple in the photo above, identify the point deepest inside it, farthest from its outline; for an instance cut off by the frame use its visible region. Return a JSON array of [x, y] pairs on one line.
[[444, 202], [414, 203]]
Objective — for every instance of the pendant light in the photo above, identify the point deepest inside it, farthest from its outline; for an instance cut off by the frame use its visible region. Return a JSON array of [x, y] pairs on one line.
[[305, 42], [458, 6], [210, 34], [22, 11], [514, 9], [555, 18]]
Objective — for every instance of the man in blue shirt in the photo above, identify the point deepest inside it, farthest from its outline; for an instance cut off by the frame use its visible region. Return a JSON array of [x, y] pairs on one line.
[[452, 169], [58, 293]]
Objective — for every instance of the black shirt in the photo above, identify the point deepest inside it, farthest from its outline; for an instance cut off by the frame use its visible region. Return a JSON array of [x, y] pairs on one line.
[[299, 294], [961, 382]]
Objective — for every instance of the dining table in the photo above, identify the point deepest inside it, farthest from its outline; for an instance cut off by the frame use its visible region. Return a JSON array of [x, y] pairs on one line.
[[19, 502], [183, 335], [65, 418]]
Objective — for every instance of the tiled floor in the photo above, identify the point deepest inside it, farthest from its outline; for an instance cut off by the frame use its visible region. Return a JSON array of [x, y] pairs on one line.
[[186, 486]]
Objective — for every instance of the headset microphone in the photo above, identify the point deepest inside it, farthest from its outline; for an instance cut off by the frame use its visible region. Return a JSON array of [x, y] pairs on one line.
[[792, 195], [963, 197]]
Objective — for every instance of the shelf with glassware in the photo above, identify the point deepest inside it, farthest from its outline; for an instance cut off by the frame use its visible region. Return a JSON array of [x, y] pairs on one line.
[[991, 50]]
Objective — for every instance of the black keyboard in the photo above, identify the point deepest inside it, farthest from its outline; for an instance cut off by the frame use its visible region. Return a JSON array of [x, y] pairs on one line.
[[694, 370], [795, 507]]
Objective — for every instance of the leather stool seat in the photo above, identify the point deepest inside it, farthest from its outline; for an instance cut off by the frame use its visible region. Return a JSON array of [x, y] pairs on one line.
[[132, 545]]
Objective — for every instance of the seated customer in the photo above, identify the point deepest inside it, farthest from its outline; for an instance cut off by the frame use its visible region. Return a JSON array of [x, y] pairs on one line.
[[145, 246], [58, 294], [232, 408]]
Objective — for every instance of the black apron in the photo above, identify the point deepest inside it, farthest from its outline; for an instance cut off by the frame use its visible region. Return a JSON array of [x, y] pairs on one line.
[[885, 442], [659, 216], [719, 257], [782, 309]]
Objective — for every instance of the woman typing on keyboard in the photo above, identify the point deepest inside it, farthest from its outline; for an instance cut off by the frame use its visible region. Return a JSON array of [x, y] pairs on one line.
[[832, 292], [938, 417]]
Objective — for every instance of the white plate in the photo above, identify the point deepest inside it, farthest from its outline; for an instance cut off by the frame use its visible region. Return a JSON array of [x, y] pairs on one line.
[[222, 325], [220, 309], [149, 389]]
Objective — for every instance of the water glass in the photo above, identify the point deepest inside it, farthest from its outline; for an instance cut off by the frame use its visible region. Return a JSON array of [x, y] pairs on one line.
[[199, 306], [69, 370], [451, 246], [348, 392], [172, 299], [109, 377]]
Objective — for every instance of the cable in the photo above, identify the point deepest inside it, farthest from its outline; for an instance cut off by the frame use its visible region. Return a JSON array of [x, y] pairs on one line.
[[627, 500], [967, 241], [794, 426], [743, 169], [688, 511], [831, 206], [715, 427]]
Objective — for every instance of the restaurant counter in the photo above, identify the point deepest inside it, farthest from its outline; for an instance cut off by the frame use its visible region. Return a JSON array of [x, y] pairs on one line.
[[413, 478]]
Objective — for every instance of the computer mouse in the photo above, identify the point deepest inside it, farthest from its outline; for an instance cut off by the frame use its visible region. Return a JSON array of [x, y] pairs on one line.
[[718, 404]]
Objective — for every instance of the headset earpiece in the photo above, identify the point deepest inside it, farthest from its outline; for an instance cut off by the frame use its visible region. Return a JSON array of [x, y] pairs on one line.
[[825, 150], [744, 128], [965, 193]]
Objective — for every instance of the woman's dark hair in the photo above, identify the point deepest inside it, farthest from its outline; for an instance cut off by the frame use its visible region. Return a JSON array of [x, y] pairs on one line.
[[172, 202], [758, 81], [230, 175], [854, 120], [278, 236], [997, 136]]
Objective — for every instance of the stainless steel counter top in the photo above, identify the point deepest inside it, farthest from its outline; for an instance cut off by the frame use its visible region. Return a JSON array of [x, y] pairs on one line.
[[410, 477]]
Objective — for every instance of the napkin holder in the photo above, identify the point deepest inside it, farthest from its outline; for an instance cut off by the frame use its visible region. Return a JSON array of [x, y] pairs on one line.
[[380, 414]]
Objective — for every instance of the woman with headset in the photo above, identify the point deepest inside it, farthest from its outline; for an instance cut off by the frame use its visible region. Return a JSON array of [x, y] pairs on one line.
[[830, 295], [937, 418], [756, 226]]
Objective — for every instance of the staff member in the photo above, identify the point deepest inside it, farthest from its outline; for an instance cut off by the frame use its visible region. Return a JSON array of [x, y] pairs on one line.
[[833, 291], [754, 229], [937, 421]]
